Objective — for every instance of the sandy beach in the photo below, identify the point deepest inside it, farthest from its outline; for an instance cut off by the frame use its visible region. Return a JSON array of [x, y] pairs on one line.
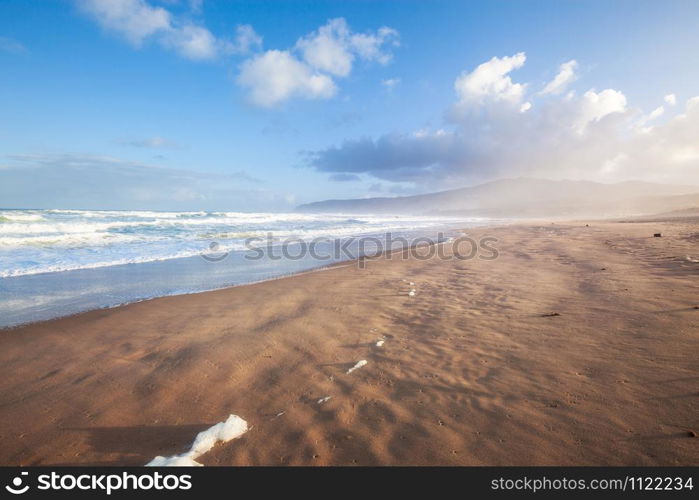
[[577, 346]]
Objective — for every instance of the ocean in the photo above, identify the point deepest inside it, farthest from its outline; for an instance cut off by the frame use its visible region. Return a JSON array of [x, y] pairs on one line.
[[59, 262]]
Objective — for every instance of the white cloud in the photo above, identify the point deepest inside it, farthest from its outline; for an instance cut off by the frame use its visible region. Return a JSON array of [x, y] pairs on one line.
[[135, 20], [327, 48], [670, 99], [334, 47], [246, 40], [138, 21], [594, 106], [193, 42], [566, 75], [307, 69], [643, 122], [390, 83], [594, 136], [369, 46], [657, 112], [277, 75], [491, 81]]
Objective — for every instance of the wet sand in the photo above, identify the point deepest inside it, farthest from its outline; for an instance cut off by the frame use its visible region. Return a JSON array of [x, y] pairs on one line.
[[577, 346]]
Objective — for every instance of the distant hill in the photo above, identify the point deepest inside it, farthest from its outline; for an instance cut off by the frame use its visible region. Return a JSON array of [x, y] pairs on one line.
[[525, 197], [685, 212]]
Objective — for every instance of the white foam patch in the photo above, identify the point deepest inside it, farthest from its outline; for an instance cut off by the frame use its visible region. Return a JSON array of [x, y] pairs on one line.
[[226, 431], [324, 400], [357, 366]]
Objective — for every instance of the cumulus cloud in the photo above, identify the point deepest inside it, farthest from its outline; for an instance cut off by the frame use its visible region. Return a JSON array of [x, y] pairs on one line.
[[566, 75], [491, 81], [671, 99], [596, 105], [334, 47], [596, 136], [277, 75], [327, 50], [193, 42], [309, 68], [138, 21], [135, 20]]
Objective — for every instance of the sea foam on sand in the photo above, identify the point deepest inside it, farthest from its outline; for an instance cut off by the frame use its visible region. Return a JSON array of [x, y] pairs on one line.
[[357, 366], [226, 431]]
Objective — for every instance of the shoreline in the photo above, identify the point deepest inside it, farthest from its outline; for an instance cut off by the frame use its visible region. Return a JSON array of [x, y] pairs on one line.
[[176, 294], [472, 370], [132, 266]]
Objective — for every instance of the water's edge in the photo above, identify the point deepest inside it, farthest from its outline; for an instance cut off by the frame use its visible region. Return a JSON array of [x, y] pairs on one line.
[[41, 297]]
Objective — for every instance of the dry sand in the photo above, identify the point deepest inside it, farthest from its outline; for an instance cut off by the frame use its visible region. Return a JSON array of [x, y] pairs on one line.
[[473, 370]]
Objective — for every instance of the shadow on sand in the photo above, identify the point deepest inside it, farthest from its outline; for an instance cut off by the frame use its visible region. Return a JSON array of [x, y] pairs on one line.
[[138, 445]]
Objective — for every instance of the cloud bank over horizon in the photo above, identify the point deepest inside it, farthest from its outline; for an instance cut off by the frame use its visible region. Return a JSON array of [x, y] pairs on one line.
[[498, 127], [103, 182]]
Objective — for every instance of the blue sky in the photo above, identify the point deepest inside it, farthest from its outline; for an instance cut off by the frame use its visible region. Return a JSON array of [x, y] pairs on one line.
[[263, 105]]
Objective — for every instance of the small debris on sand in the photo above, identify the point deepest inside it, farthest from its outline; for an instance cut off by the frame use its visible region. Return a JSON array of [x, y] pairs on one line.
[[357, 366], [657, 235], [324, 400], [691, 434], [412, 293], [550, 315], [380, 343]]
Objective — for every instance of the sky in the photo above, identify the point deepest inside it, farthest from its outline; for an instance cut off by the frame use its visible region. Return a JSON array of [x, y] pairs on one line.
[[261, 106]]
